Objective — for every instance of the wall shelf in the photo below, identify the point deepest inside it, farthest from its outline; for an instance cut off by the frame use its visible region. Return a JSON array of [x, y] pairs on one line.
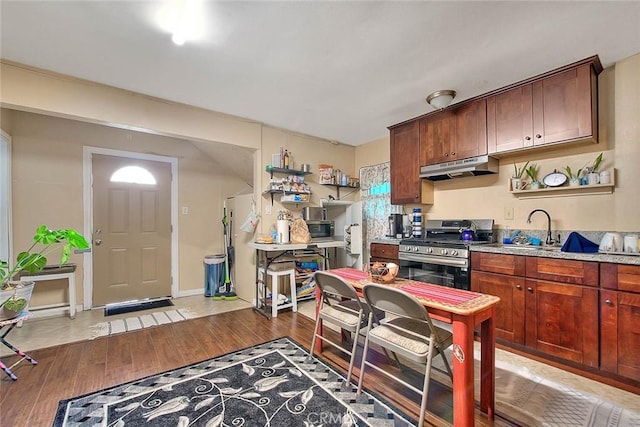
[[566, 191], [296, 172], [339, 186], [272, 192]]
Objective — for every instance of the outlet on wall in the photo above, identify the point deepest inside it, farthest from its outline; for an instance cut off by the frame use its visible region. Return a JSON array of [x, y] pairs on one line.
[[508, 212]]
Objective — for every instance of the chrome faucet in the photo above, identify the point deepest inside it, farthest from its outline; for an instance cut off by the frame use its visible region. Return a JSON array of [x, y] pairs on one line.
[[549, 240]]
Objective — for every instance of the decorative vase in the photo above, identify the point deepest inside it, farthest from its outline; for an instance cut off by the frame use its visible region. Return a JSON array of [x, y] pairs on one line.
[[575, 182], [535, 185], [516, 184], [593, 178], [22, 290]]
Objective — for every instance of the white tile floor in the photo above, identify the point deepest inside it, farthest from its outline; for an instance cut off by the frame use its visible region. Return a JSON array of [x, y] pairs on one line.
[[42, 332]]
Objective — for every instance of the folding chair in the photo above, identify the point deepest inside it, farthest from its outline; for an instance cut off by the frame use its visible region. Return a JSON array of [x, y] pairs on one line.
[[409, 334], [9, 325], [340, 306]]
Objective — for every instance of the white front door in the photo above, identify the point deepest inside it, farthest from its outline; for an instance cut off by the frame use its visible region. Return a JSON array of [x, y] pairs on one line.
[[131, 251]]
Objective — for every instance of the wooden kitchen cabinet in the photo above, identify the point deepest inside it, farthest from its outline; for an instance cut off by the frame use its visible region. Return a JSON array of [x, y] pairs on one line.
[[383, 252], [620, 320], [546, 304], [503, 276], [509, 313], [563, 270], [562, 321], [406, 185], [454, 134], [558, 107]]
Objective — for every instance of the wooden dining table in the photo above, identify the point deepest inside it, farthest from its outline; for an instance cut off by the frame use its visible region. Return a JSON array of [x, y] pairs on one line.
[[464, 310]]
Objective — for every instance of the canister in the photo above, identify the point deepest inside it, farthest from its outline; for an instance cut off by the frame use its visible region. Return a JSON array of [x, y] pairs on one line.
[[417, 222]]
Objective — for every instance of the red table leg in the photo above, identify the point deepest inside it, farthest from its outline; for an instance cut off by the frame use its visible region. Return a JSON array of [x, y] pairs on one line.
[[487, 366], [463, 383]]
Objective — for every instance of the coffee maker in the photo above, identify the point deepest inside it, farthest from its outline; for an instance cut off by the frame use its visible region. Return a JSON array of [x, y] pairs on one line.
[[395, 226]]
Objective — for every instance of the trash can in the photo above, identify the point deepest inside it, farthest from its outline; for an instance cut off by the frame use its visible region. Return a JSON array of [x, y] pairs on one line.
[[213, 274]]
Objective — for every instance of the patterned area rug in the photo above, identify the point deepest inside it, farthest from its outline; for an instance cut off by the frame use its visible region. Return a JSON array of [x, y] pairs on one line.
[[272, 384], [119, 326]]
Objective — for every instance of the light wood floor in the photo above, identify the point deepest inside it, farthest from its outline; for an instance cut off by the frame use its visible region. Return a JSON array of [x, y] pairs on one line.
[[78, 368]]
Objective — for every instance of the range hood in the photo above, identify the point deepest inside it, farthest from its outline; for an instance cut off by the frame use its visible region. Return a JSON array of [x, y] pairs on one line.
[[481, 165]]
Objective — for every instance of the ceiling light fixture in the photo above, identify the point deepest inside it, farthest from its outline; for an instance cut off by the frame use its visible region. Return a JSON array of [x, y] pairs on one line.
[[441, 98], [182, 19]]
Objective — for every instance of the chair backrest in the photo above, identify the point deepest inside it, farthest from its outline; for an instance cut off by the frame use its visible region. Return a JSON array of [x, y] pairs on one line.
[[334, 285], [397, 302]]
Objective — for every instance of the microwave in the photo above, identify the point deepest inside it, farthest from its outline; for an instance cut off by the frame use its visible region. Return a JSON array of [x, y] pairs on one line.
[[319, 228]]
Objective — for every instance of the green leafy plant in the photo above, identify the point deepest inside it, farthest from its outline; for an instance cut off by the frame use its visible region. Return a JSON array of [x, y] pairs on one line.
[[571, 174], [519, 172], [34, 258], [532, 171], [596, 163]]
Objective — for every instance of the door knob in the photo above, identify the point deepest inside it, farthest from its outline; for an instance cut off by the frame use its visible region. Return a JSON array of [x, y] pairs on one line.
[[528, 138], [538, 136], [608, 302], [98, 242], [530, 289], [518, 287]]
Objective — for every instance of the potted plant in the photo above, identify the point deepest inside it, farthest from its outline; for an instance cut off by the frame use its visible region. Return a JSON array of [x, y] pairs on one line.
[[518, 174], [532, 171], [574, 177], [593, 177], [14, 293]]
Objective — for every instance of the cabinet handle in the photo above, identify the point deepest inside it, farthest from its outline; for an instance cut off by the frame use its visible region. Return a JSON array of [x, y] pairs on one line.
[[453, 153], [538, 136], [446, 154], [518, 287], [608, 302], [530, 289], [528, 138]]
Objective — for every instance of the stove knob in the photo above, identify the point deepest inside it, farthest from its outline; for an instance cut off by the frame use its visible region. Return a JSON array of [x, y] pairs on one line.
[[454, 252], [444, 252], [429, 250]]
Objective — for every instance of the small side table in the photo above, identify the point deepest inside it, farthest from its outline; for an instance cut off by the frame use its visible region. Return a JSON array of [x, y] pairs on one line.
[[7, 326], [66, 271]]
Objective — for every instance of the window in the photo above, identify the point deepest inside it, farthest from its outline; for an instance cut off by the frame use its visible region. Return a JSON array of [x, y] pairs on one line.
[[133, 175]]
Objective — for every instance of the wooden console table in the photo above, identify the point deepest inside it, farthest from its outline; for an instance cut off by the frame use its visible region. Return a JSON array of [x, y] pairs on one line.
[[67, 271]]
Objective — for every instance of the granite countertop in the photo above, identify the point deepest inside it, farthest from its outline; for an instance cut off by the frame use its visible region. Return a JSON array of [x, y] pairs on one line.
[[554, 252], [386, 240]]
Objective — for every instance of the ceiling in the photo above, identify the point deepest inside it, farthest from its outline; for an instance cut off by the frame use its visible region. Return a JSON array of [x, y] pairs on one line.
[[338, 70]]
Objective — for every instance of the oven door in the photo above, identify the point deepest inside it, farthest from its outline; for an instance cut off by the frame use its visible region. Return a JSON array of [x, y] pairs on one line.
[[450, 272]]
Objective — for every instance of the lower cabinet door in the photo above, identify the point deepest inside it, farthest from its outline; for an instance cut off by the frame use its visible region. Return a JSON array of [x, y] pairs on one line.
[[562, 321], [509, 313], [620, 323]]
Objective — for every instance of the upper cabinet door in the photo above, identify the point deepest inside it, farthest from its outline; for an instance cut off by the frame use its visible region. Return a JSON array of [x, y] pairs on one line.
[[471, 130], [562, 107], [455, 134], [510, 120], [405, 167], [437, 136], [559, 108]]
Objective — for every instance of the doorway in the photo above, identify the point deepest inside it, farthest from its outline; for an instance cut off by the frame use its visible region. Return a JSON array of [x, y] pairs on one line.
[[132, 255]]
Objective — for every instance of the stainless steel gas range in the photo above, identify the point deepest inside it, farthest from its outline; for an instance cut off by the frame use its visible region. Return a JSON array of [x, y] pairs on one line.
[[441, 254]]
